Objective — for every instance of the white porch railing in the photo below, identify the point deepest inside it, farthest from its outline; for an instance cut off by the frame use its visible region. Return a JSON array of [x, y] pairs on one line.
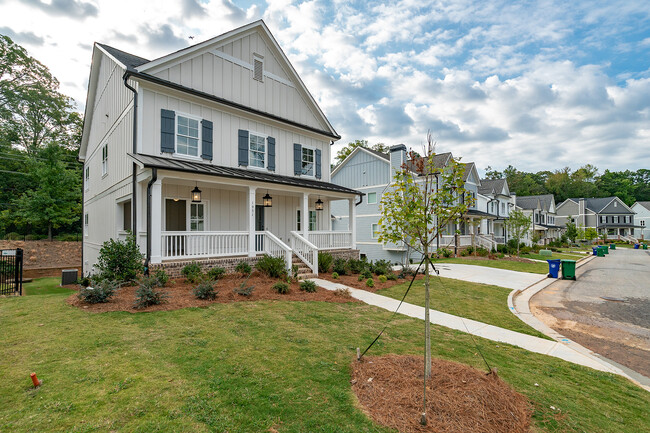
[[500, 239], [305, 250], [449, 241], [267, 243], [331, 240], [194, 245], [485, 242]]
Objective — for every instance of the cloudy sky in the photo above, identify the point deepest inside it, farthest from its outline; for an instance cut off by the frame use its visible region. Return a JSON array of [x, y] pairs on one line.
[[536, 84]]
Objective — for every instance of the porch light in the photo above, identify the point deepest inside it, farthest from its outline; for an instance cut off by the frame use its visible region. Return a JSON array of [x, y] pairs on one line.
[[196, 195], [267, 200], [319, 204]]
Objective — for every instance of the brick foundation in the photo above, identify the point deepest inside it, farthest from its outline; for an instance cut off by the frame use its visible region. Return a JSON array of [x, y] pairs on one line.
[[173, 269], [345, 254]]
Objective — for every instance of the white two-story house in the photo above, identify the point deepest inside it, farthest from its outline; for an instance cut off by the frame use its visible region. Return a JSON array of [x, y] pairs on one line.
[[498, 202], [217, 151], [642, 218]]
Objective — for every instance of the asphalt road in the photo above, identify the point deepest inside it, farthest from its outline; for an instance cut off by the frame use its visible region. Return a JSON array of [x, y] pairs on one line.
[[619, 328]]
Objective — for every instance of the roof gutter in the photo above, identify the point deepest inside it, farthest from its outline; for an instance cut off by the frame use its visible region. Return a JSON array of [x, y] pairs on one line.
[[154, 178], [134, 167]]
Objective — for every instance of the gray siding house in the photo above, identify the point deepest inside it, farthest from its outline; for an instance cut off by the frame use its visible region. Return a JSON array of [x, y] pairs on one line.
[[541, 210], [642, 219], [609, 216]]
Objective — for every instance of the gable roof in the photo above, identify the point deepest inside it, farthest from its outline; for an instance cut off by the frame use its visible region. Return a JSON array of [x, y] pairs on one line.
[[598, 204], [129, 61], [440, 161], [492, 186], [471, 167], [645, 204], [544, 201], [380, 155]]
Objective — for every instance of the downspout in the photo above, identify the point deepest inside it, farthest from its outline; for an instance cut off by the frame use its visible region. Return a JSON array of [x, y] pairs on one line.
[[154, 178], [134, 207]]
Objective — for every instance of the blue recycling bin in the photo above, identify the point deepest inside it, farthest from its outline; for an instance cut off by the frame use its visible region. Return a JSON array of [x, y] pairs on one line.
[[553, 268], [595, 250], [636, 246]]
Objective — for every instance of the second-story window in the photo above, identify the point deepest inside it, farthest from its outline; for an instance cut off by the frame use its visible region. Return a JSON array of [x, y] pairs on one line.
[[187, 136], [372, 198], [105, 160], [257, 150], [307, 161], [87, 178]]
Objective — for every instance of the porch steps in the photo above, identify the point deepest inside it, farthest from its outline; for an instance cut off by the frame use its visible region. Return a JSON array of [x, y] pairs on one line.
[[304, 271]]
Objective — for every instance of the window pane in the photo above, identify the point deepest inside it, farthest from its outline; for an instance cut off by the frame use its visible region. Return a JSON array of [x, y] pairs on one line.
[[312, 220]]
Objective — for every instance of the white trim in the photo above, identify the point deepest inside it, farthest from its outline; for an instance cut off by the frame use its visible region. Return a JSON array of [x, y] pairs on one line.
[[354, 152], [372, 232], [206, 215], [266, 151], [313, 149], [249, 66], [199, 148], [122, 65], [368, 198]]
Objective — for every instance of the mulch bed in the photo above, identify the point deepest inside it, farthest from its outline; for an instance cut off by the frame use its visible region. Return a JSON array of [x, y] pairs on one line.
[[181, 296], [353, 281], [460, 399]]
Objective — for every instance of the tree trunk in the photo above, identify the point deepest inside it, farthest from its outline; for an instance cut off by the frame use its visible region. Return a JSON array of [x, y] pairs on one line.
[[49, 232], [427, 322]]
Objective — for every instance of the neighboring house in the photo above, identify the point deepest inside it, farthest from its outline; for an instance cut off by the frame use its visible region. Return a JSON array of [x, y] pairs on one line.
[[642, 219], [371, 172], [214, 151], [609, 215], [498, 203], [541, 211]]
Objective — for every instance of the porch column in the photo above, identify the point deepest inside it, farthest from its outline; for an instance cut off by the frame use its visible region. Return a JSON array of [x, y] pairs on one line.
[[156, 221], [304, 215], [353, 222], [251, 221]]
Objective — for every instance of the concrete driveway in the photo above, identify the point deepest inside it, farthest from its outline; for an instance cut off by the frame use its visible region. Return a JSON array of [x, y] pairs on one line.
[[485, 275], [618, 328]]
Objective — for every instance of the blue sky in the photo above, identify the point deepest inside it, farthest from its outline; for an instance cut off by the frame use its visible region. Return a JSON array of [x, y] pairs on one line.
[[536, 84]]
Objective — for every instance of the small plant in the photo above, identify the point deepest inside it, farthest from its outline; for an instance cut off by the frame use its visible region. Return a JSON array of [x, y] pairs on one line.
[[370, 282], [383, 278], [335, 275], [470, 249], [325, 261], [481, 251], [357, 266], [339, 266], [381, 267], [148, 293], [360, 277], [205, 290], [281, 288], [120, 261], [244, 290], [161, 277], [84, 281], [446, 253], [216, 273], [464, 253], [192, 272], [99, 294], [391, 277], [308, 286], [243, 268], [273, 267], [344, 293], [366, 274]]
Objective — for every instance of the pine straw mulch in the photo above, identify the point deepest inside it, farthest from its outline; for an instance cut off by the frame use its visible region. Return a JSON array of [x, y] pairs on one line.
[[353, 281], [181, 296], [460, 399]]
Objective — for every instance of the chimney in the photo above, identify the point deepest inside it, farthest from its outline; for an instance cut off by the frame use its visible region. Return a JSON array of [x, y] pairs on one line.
[[397, 156]]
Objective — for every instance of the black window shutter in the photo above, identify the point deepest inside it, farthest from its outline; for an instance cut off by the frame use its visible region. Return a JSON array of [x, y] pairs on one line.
[[243, 147], [206, 139], [271, 143], [167, 118], [318, 171], [297, 159]]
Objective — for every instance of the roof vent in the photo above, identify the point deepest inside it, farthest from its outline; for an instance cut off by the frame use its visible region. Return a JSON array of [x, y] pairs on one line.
[[258, 68]]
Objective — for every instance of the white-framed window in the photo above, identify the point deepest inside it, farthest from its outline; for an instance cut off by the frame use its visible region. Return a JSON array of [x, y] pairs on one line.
[[492, 207], [197, 217], [105, 159], [642, 223], [256, 150], [503, 208], [298, 220], [374, 231], [307, 161], [372, 198], [603, 219], [86, 224], [537, 218], [615, 219], [87, 181], [126, 215], [258, 67], [312, 220], [188, 135]]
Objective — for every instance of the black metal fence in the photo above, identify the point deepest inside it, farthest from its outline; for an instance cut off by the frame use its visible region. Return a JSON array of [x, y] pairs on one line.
[[11, 272]]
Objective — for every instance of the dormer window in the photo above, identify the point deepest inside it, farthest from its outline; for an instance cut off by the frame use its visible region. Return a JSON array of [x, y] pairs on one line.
[[258, 67]]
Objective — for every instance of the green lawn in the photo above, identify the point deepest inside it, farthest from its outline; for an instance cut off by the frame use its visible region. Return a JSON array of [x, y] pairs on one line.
[[535, 267], [253, 366], [44, 286], [482, 302], [554, 256]]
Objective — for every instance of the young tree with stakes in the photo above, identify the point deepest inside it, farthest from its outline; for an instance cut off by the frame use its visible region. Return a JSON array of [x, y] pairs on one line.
[[518, 225], [419, 203]]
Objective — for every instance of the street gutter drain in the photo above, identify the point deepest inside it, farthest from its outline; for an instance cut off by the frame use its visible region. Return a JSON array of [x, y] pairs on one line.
[[609, 298]]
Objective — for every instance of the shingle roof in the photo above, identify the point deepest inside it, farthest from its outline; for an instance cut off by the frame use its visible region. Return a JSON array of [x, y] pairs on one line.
[[468, 170], [236, 173], [379, 154], [596, 204], [489, 185], [645, 204], [129, 60], [440, 161], [530, 201]]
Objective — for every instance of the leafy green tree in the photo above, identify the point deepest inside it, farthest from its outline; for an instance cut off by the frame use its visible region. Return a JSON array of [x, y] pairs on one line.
[[415, 209], [347, 150], [518, 225], [591, 233], [571, 229]]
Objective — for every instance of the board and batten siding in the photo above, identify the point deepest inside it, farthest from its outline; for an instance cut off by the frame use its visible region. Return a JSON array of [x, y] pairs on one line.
[[363, 170], [225, 132], [226, 72]]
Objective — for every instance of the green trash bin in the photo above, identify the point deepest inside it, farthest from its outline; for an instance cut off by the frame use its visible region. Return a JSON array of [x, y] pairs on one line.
[[612, 246], [645, 246], [605, 249], [601, 251], [568, 269]]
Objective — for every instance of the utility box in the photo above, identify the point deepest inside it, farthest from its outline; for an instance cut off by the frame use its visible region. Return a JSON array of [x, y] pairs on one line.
[[68, 276]]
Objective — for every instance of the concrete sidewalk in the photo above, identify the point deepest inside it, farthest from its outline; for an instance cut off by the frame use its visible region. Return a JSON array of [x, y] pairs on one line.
[[533, 344]]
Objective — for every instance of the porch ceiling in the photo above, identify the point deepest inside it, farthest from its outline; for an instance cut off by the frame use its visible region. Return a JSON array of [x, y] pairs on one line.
[[237, 173]]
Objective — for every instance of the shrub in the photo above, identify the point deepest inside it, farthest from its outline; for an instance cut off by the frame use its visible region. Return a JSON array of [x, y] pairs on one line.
[[503, 249], [99, 294], [464, 253], [273, 267], [243, 268], [357, 266], [366, 274], [370, 282], [391, 276], [120, 261], [406, 272], [243, 289], [84, 281], [161, 277], [281, 288], [360, 277], [445, 252], [470, 250], [192, 272], [205, 290], [383, 278], [335, 275], [339, 266], [525, 250], [382, 267], [345, 293], [216, 273], [308, 286], [482, 251], [148, 293], [325, 261], [13, 236]]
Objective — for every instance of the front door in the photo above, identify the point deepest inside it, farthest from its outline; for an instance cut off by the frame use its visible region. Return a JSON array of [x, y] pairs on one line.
[[175, 221], [259, 227]]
